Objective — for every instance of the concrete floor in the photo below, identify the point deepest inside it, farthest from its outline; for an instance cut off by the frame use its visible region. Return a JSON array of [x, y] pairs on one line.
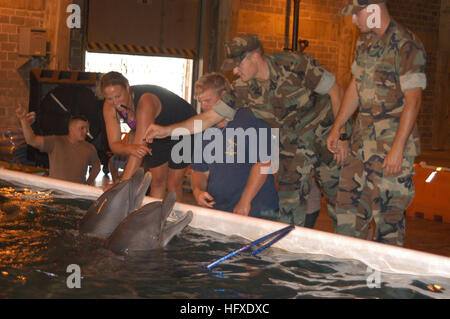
[[421, 234]]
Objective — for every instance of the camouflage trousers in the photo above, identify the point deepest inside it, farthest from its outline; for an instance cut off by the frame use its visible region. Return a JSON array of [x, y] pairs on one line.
[[269, 214], [365, 194], [300, 158]]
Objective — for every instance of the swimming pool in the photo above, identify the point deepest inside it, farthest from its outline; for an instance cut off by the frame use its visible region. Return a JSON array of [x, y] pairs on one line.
[[38, 242]]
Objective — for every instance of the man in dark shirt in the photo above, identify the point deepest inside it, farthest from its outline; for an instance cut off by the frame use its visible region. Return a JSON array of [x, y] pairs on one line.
[[223, 182]]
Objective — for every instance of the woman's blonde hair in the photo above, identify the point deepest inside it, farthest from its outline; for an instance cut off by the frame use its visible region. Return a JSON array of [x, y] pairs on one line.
[[110, 79]]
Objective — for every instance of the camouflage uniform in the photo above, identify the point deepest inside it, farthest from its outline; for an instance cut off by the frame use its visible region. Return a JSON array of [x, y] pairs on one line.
[[295, 100], [383, 69]]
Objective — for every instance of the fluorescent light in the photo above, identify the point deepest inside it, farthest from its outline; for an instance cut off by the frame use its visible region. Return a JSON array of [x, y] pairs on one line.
[[430, 178]]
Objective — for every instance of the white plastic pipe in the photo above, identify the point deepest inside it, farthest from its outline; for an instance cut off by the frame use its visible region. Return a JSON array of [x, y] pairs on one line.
[[381, 257]]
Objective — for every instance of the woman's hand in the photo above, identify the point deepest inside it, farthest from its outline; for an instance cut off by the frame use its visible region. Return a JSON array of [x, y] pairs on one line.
[[139, 150]]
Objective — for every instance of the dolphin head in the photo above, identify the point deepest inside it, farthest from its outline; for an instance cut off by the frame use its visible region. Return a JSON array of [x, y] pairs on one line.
[[115, 204], [147, 228]]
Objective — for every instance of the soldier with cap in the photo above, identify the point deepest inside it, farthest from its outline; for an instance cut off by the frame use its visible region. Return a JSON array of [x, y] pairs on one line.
[[292, 92], [387, 83]]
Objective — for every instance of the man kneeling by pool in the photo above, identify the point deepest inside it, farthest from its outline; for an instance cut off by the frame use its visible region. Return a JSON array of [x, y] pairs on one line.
[[241, 188]]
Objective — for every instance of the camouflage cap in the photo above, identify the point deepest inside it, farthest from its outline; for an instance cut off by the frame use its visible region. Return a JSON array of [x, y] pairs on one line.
[[237, 48], [354, 6]]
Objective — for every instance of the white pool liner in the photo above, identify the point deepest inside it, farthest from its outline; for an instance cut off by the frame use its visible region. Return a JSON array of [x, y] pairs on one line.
[[381, 257]]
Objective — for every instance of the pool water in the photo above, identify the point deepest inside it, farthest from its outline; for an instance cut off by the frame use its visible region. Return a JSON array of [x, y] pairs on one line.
[[38, 241]]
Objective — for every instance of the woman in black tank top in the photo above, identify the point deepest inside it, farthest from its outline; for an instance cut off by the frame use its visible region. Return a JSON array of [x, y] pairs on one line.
[[139, 106]]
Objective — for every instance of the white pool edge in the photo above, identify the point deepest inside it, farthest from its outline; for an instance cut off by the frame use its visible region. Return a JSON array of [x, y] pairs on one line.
[[381, 257]]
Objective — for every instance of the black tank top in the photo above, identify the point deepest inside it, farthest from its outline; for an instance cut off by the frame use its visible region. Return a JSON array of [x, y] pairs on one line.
[[173, 108]]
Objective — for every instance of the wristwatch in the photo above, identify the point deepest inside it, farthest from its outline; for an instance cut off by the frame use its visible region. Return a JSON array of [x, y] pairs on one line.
[[344, 137]]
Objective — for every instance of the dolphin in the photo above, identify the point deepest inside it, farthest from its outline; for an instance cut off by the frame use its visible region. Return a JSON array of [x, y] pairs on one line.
[[111, 208], [147, 228]]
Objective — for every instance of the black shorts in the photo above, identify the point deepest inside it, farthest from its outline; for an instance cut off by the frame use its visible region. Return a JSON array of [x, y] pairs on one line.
[[161, 153]]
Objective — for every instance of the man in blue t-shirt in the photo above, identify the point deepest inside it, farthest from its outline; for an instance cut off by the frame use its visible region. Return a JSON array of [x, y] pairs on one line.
[[236, 178]]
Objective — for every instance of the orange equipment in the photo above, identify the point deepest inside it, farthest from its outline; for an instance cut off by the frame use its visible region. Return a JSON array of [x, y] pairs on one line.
[[432, 198]]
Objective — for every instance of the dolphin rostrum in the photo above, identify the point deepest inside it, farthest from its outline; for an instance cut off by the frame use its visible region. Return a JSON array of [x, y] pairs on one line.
[[111, 208], [147, 228]]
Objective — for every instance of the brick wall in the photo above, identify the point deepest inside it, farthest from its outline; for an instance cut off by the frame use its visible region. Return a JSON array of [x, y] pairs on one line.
[[332, 37], [13, 89], [327, 32]]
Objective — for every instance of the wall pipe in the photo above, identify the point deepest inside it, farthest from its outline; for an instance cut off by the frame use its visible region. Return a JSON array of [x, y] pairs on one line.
[[287, 26], [295, 24]]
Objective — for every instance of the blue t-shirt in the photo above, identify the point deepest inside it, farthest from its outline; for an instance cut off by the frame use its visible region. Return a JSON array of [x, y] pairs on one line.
[[227, 180]]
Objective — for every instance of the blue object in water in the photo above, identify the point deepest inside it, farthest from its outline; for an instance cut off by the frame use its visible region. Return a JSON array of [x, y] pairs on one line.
[[279, 234]]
